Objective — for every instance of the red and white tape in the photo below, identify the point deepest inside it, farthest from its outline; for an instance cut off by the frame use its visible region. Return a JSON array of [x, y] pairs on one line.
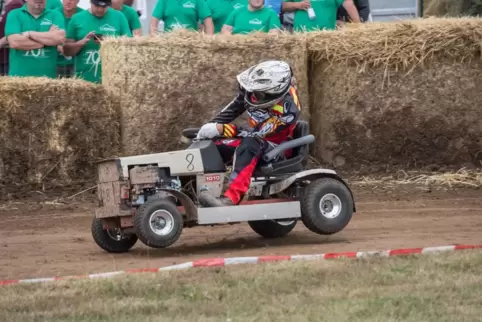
[[213, 262]]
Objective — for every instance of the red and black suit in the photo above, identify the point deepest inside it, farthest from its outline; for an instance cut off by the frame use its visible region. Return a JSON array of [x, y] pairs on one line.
[[268, 128]]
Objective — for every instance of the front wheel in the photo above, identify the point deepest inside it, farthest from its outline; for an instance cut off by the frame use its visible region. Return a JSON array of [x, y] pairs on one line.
[[326, 206], [110, 239], [158, 223], [272, 228]]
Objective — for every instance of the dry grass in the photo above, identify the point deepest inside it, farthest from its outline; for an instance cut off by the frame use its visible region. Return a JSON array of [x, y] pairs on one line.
[[51, 131], [461, 178], [397, 46], [444, 287], [182, 79]]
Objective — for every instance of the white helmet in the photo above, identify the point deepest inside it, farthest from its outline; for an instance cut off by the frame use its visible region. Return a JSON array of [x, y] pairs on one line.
[[265, 83]]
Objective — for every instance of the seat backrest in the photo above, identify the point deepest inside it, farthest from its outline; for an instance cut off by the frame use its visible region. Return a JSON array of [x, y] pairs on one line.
[[302, 129]]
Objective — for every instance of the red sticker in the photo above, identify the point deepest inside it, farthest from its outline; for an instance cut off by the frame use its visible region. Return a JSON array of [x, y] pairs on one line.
[[213, 178]]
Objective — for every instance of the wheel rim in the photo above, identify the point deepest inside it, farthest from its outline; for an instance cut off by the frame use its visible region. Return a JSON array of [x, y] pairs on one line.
[[285, 222], [161, 222], [330, 206]]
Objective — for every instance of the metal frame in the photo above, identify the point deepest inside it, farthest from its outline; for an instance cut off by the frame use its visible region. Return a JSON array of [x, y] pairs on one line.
[[249, 212]]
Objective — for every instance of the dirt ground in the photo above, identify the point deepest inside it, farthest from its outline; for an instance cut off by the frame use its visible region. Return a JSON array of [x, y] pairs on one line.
[[49, 239]]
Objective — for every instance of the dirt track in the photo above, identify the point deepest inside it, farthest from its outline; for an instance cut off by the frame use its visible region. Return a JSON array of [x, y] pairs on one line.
[[43, 240]]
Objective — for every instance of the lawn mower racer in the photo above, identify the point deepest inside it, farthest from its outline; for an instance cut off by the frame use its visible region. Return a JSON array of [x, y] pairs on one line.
[[268, 94], [153, 197]]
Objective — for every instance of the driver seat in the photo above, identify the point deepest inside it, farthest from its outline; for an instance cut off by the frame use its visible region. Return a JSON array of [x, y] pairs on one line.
[[296, 163]]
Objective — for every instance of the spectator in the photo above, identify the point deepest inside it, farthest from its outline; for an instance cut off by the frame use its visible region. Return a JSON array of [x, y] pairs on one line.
[[363, 8], [254, 17], [181, 14], [275, 5], [33, 34], [325, 12], [53, 4], [65, 64], [131, 15], [130, 3], [221, 9], [5, 7], [84, 33]]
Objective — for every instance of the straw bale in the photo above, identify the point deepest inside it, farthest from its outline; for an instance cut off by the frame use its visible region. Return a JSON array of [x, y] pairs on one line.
[[182, 79], [51, 131], [398, 45], [406, 95], [450, 8]]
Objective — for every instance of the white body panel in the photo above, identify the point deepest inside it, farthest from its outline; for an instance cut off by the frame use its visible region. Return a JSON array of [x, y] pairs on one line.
[[231, 214], [183, 162]]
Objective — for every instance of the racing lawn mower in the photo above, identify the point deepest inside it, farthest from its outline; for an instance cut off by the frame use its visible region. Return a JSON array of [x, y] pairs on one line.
[[153, 197]]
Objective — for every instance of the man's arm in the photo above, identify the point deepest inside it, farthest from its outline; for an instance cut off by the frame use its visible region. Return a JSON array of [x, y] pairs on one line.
[[288, 6], [227, 30], [274, 24], [205, 15], [220, 124], [233, 110], [72, 47], [157, 15], [53, 37], [351, 10], [208, 26], [14, 36], [228, 24], [153, 26], [3, 42], [22, 42], [56, 34], [136, 24]]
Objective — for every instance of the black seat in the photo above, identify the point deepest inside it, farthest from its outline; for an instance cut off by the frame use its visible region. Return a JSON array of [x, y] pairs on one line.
[[295, 163]]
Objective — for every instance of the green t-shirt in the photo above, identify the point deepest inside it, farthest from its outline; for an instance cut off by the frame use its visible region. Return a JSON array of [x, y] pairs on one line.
[[178, 14], [62, 60], [325, 11], [87, 61], [35, 62], [132, 17], [53, 4], [244, 21], [221, 9]]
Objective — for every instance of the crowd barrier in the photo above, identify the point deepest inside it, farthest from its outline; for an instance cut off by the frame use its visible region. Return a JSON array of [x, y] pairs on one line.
[[379, 97]]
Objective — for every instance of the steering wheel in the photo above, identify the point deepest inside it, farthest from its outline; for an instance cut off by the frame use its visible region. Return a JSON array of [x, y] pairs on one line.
[[190, 133]]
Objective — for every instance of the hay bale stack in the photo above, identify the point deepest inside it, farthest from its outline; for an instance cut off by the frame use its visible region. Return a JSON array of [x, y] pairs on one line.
[[51, 131], [182, 79], [398, 95]]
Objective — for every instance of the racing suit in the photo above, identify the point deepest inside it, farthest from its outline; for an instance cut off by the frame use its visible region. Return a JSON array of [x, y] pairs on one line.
[[244, 147]]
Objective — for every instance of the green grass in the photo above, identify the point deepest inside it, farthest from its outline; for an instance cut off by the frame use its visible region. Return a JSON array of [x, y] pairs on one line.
[[445, 287]]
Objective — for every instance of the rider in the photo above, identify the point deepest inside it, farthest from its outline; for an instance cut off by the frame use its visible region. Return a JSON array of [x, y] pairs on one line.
[[267, 93]]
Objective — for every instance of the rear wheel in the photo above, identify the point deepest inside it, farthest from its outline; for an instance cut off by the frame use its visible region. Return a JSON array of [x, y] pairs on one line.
[[158, 223], [111, 239], [326, 206], [272, 228]]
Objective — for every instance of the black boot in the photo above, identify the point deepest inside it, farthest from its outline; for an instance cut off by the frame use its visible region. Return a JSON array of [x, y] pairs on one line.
[[207, 200]]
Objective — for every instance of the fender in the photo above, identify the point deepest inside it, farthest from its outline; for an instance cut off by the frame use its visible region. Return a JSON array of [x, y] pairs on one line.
[[309, 175], [189, 206]]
